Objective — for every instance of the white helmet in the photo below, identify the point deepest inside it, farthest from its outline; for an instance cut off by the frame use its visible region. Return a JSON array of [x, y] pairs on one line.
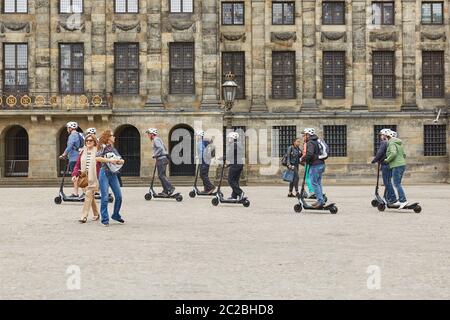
[[152, 131], [310, 131], [91, 131], [72, 125], [200, 133], [384, 131], [394, 134], [390, 133], [233, 135]]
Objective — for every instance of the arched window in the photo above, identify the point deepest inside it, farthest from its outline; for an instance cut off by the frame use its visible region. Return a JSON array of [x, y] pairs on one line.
[[128, 143], [16, 152], [182, 151]]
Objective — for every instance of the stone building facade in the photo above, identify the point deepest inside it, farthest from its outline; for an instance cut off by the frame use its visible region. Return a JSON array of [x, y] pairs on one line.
[[347, 121]]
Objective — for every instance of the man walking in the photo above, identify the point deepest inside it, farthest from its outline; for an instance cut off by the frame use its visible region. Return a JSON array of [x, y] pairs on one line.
[[235, 158], [74, 143], [204, 158]]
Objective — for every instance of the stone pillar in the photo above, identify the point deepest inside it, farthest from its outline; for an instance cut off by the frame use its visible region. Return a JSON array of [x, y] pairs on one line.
[[409, 54], [359, 54], [309, 54], [42, 53], [154, 66], [98, 46], [258, 57], [211, 85]]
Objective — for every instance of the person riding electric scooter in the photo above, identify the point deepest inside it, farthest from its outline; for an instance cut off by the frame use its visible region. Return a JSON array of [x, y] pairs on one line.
[[205, 148]]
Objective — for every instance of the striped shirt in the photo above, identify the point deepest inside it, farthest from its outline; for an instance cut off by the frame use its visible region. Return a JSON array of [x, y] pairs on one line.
[[88, 160]]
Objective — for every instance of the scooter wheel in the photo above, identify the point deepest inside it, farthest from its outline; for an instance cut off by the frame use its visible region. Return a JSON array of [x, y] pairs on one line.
[[110, 199], [58, 200], [381, 207], [333, 210], [298, 208], [179, 198], [374, 203], [417, 209], [148, 196], [215, 202], [192, 194], [246, 203]]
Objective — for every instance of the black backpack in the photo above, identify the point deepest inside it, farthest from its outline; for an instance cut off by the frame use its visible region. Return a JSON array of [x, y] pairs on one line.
[[284, 160]]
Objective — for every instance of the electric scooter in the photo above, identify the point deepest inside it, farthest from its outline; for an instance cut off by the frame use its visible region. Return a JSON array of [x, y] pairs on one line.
[[219, 198], [381, 204], [303, 205], [153, 194], [195, 191]]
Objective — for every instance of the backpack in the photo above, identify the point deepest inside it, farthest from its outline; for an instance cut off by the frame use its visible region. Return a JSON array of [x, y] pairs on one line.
[[324, 150], [210, 150], [80, 141]]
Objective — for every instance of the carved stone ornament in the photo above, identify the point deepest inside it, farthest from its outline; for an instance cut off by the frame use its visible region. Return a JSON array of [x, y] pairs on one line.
[[70, 27], [283, 36], [424, 36], [383, 36], [15, 26], [232, 37], [333, 36], [181, 24], [126, 27]]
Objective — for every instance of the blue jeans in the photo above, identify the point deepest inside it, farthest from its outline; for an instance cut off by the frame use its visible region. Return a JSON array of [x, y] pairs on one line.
[[315, 174], [108, 179], [389, 193], [397, 175]]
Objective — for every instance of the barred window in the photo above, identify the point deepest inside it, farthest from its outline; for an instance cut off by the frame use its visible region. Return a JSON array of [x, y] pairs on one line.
[[126, 68], [283, 75], [283, 12], [336, 138], [333, 12], [15, 66], [376, 135], [71, 68], [182, 68], [233, 13], [432, 13], [179, 6], [282, 138], [383, 13], [70, 6], [383, 71], [334, 74], [126, 6], [15, 6], [234, 62], [433, 74], [435, 140]]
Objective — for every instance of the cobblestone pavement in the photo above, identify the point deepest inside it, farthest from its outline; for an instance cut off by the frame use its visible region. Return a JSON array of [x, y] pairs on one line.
[[191, 250]]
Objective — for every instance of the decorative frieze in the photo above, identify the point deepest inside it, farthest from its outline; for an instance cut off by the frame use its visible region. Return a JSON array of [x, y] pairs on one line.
[[383, 36], [15, 27], [333, 36], [126, 27], [70, 27], [283, 37], [232, 36], [434, 36]]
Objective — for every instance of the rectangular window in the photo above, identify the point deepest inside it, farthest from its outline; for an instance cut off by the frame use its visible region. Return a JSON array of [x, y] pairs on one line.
[[383, 13], [126, 68], [435, 140], [70, 6], [333, 12], [336, 138], [182, 68], [15, 66], [283, 12], [334, 74], [432, 13], [71, 68], [376, 135], [283, 75], [15, 6], [383, 71], [433, 74], [234, 62], [282, 138], [126, 6], [232, 13], [179, 6]]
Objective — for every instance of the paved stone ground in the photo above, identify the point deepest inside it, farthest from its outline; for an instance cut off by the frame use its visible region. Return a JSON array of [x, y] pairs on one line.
[[191, 250]]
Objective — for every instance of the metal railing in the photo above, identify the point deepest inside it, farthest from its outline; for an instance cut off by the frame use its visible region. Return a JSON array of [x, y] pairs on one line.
[[16, 168]]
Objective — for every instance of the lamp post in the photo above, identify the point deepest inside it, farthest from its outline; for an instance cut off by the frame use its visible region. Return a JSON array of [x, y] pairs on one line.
[[229, 95]]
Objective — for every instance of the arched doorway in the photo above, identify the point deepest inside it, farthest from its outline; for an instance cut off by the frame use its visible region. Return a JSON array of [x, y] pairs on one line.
[[128, 143], [16, 152], [62, 144], [181, 146]]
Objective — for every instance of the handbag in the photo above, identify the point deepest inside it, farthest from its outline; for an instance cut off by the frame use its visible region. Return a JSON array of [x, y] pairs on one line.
[[83, 180], [288, 175]]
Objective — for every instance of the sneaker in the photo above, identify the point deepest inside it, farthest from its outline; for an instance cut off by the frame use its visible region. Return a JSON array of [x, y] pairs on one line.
[[291, 195], [171, 192], [403, 204], [105, 224], [231, 199], [119, 220], [241, 196], [317, 205], [396, 204], [163, 194], [211, 191]]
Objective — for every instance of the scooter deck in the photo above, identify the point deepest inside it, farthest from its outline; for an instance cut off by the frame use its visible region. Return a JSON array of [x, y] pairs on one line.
[[241, 201], [324, 208], [408, 207]]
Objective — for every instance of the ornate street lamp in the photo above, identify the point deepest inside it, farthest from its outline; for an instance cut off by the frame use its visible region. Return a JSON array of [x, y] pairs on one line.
[[229, 95]]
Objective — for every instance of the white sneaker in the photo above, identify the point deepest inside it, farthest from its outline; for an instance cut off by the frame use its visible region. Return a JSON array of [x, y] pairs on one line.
[[396, 204], [403, 204]]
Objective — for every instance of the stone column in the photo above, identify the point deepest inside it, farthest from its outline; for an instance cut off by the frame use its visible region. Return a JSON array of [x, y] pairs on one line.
[[359, 54], [309, 54], [258, 57], [43, 80], [409, 54], [211, 85], [98, 45], [154, 66]]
